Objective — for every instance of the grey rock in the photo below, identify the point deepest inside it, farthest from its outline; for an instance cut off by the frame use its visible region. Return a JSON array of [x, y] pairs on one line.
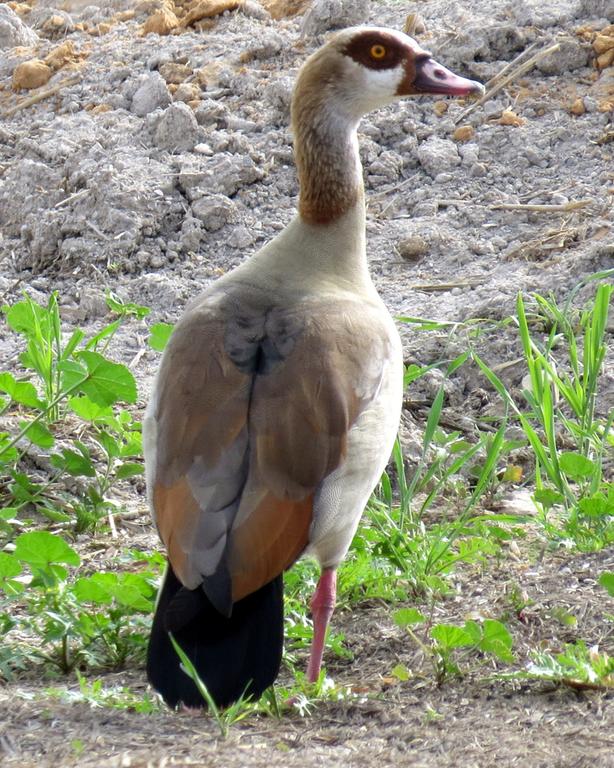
[[13, 32], [40, 16], [210, 112], [151, 94], [499, 42], [544, 13], [334, 14], [28, 188], [176, 129], [191, 233], [571, 55], [477, 170], [255, 10], [240, 237], [413, 248], [388, 166], [229, 173], [92, 305], [595, 9], [214, 211], [268, 44], [425, 208], [278, 95], [437, 155]]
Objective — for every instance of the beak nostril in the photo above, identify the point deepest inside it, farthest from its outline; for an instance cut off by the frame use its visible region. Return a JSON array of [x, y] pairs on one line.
[[439, 74]]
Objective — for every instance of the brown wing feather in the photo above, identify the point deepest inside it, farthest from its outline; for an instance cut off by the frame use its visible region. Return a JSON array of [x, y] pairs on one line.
[[270, 540], [240, 454]]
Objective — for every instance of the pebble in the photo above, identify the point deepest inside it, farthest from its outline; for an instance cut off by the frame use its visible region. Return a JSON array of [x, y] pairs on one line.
[[240, 237], [176, 129], [437, 155], [214, 211], [426, 208], [151, 94], [191, 233], [51, 22], [174, 73], [413, 248], [572, 55], [13, 32], [334, 14], [477, 170]]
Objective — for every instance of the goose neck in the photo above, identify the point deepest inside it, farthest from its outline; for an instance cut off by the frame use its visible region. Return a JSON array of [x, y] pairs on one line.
[[328, 164]]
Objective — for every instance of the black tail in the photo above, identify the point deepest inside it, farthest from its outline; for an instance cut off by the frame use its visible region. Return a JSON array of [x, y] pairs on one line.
[[232, 656]]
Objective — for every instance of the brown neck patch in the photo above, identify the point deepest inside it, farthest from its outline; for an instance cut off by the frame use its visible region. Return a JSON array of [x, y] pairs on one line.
[[324, 146], [328, 178]]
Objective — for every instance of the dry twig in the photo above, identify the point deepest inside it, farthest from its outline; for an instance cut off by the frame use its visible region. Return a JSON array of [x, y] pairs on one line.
[[436, 287], [572, 205], [511, 64], [41, 95], [521, 70]]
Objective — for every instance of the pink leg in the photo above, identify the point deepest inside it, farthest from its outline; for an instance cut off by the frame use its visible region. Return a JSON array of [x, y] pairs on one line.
[[322, 607]]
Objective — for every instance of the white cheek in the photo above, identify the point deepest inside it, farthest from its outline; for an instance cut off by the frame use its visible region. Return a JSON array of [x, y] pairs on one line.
[[383, 82], [374, 87]]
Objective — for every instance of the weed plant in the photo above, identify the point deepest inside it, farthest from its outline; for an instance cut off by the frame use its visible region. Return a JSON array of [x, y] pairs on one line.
[[69, 408]]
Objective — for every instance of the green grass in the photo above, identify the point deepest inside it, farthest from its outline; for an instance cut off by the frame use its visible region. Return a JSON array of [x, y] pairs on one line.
[[70, 406]]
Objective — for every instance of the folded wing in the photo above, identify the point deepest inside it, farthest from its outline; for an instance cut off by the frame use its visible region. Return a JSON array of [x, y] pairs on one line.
[[251, 413]]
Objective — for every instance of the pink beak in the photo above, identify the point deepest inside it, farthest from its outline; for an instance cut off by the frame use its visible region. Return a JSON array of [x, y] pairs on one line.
[[432, 78]]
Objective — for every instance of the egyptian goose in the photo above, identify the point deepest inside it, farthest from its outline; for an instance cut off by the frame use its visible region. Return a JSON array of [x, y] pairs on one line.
[[278, 397]]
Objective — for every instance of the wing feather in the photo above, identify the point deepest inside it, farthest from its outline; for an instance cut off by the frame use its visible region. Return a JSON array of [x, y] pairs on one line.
[[252, 412]]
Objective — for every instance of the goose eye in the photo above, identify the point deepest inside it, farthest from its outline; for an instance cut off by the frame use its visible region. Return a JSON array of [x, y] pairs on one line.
[[377, 52]]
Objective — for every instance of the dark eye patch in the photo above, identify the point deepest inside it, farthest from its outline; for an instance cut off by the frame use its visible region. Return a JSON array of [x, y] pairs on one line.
[[360, 46]]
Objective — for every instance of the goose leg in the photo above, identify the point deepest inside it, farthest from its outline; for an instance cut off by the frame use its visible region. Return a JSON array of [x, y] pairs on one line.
[[322, 607]]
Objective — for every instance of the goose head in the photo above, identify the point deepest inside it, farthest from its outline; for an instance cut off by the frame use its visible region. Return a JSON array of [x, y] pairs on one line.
[[360, 69], [364, 68]]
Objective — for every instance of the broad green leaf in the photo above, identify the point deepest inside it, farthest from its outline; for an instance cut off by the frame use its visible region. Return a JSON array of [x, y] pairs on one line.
[[474, 631], [129, 469], [406, 616], [38, 433], [576, 466], [607, 581], [95, 589], [450, 636], [72, 374], [23, 392], [497, 640], [129, 590], [548, 498], [121, 307], [159, 334], [401, 673], [41, 549], [76, 464], [107, 382], [597, 505], [87, 410], [109, 443], [8, 513], [10, 567], [25, 316], [133, 445]]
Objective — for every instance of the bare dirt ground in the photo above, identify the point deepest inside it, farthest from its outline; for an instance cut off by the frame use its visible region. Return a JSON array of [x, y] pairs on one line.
[[158, 162]]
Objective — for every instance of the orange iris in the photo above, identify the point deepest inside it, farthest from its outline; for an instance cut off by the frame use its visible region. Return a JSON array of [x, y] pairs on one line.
[[377, 52]]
